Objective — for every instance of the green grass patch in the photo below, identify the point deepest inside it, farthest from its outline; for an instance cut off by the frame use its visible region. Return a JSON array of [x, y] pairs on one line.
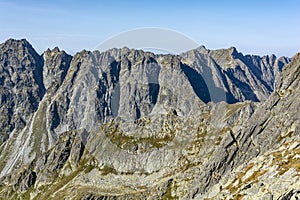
[[130, 142]]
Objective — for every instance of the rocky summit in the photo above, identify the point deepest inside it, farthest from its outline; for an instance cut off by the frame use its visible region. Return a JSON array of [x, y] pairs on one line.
[[129, 124]]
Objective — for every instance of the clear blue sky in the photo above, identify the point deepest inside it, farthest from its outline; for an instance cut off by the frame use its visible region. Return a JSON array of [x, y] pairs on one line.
[[253, 26]]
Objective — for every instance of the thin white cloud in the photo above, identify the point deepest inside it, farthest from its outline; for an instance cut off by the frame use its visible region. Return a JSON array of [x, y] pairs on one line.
[[38, 7]]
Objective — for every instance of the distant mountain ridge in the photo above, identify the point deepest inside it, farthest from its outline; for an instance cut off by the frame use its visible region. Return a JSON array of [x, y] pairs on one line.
[[214, 75], [131, 124]]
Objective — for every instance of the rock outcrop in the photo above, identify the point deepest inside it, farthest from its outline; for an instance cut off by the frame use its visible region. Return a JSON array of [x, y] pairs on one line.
[[22, 86], [56, 66]]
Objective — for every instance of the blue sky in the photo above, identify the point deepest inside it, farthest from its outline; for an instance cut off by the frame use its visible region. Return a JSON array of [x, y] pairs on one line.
[[254, 27]]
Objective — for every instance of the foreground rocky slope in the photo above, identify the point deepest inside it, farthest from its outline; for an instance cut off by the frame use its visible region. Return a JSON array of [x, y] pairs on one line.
[[272, 133], [131, 124]]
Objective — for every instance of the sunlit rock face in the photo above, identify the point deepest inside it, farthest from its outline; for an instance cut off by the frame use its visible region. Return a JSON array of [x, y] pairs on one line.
[[130, 124]]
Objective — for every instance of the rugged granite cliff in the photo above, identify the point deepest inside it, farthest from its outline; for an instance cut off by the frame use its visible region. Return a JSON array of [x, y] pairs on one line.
[[130, 124]]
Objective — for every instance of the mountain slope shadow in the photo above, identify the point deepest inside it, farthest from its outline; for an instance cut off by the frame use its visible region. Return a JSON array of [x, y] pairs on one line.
[[197, 82]]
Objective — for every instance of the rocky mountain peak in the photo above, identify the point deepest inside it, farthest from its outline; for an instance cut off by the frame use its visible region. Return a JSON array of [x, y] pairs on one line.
[[233, 51], [296, 57], [56, 66], [14, 42], [202, 49], [22, 47], [21, 84]]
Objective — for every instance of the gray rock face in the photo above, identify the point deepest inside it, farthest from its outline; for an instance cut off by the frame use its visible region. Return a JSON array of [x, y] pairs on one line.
[[275, 122], [56, 66], [67, 151], [233, 77], [135, 125], [21, 85]]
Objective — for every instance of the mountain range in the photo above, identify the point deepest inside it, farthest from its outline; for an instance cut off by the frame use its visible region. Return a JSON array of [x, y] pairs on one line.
[[129, 124]]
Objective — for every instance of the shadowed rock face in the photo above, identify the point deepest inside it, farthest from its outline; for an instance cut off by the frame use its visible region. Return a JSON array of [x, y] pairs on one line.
[[240, 77], [135, 125]]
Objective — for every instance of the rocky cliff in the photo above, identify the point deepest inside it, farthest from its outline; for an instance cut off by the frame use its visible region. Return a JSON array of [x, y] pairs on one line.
[[130, 124]]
